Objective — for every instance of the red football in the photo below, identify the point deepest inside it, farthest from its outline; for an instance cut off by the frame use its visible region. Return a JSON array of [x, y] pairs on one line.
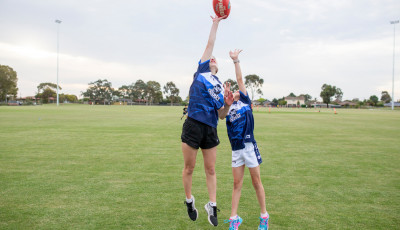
[[222, 7]]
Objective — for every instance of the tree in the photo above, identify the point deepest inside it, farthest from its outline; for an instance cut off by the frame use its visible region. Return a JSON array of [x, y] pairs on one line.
[[254, 83], [186, 101], [172, 92], [282, 102], [262, 100], [234, 85], [45, 85], [69, 97], [307, 98], [338, 94], [153, 92], [139, 90], [327, 92], [47, 90], [125, 91], [158, 97], [385, 97], [8, 82], [99, 90], [373, 100], [46, 94], [292, 95]]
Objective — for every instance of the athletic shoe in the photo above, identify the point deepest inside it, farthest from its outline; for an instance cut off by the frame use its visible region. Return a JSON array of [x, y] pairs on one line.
[[191, 209], [212, 214], [234, 223], [263, 223]]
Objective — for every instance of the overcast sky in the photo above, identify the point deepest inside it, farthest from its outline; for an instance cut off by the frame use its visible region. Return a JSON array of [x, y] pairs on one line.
[[295, 46]]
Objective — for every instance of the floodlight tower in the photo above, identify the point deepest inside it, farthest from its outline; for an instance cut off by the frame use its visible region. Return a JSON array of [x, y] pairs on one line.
[[394, 45], [58, 29]]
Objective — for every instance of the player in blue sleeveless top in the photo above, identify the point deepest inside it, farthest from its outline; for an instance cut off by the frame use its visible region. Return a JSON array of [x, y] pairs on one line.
[[208, 100], [240, 126]]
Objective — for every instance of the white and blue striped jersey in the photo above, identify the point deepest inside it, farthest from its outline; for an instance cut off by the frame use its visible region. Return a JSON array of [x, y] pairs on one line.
[[206, 96], [240, 123]]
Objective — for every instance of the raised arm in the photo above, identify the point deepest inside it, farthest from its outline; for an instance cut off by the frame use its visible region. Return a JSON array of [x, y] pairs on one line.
[[235, 57], [211, 39]]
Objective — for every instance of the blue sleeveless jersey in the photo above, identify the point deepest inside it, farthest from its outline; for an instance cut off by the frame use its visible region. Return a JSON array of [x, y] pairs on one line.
[[240, 123], [206, 96]]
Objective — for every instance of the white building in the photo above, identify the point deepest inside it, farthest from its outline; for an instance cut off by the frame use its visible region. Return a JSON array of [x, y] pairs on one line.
[[295, 101]]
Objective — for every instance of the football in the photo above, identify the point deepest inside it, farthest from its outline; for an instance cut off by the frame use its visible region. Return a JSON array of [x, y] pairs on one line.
[[222, 7]]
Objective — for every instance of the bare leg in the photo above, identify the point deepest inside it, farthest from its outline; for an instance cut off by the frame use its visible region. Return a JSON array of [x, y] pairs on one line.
[[210, 156], [238, 173], [258, 186], [189, 157]]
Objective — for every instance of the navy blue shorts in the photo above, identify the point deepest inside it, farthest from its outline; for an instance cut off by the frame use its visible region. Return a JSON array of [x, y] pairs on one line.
[[199, 135]]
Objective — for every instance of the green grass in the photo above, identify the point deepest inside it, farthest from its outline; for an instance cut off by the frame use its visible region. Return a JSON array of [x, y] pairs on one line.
[[119, 167]]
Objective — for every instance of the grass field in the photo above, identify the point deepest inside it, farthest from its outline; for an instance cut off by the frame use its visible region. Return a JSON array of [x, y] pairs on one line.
[[119, 167]]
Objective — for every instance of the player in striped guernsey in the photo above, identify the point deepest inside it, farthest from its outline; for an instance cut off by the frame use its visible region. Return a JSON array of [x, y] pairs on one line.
[[240, 127], [208, 101]]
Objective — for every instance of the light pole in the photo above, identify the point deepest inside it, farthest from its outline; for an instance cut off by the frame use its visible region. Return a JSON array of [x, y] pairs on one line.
[[394, 45], [58, 29]]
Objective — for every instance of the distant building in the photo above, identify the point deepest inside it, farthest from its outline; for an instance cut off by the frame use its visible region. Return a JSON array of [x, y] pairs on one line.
[[323, 105], [14, 103], [396, 104], [347, 104], [28, 98], [258, 103], [270, 104], [295, 101]]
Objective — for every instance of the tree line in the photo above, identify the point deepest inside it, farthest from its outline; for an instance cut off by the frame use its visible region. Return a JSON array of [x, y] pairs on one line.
[[150, 92]]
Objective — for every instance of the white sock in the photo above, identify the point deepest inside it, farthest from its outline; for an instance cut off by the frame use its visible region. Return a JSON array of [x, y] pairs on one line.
[[233, 217], [264, 215], [189, 200], [213, 204]]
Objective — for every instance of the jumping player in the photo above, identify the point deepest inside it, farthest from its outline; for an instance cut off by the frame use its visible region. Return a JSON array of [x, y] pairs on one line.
[[240, 127], [207, 101]]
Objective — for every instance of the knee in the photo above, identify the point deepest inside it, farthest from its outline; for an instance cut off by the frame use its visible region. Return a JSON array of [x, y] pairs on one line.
[[210, 171], [188, 170], [257, 184], [237, 184]]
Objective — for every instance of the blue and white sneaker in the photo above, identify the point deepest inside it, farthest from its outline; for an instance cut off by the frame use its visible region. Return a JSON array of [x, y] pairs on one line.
[[234, 223], [263, 223]]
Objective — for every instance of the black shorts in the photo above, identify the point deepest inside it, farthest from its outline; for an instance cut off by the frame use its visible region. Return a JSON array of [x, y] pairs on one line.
[[197, 134]]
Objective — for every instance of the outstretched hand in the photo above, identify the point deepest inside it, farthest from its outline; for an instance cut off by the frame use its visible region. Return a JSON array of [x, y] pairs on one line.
[[228, 95], [218, 19], [235, 54]]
